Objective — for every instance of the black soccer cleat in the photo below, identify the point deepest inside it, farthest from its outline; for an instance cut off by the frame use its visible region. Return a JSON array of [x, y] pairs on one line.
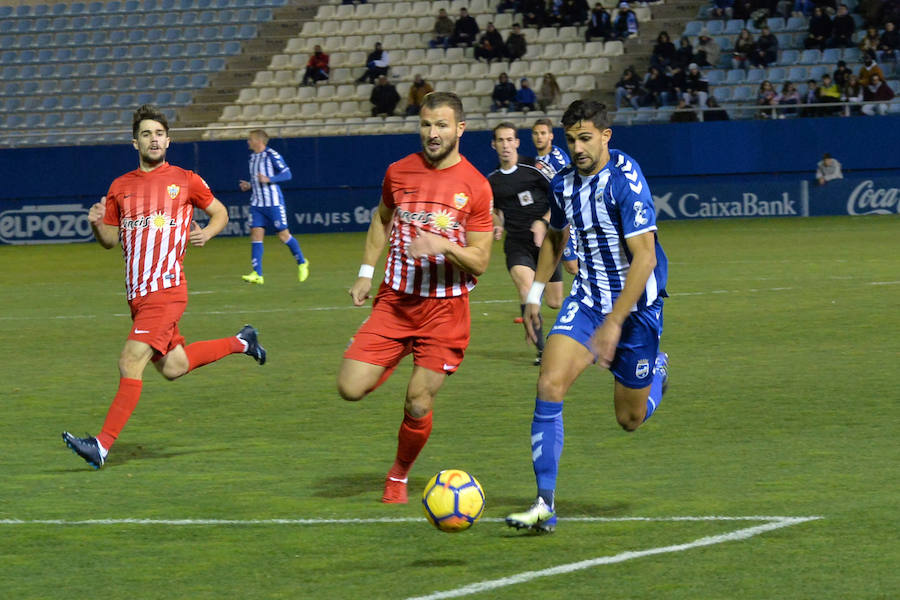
[[249, 335], [87, 448]]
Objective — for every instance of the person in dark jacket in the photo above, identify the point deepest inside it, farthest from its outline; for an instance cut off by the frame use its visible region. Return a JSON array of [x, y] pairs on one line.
[[842, 29], [600, 25], [490, 45], [516, 46], [819, 30], [384, 97], [465, 30], [765, 51], [504, 95]]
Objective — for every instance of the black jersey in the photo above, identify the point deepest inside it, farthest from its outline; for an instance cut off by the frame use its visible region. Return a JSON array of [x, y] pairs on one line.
[[522, 193]]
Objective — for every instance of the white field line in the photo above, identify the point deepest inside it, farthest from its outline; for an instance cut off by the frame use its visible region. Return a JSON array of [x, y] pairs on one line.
[[259, 311], [740, 534], [185, 522]]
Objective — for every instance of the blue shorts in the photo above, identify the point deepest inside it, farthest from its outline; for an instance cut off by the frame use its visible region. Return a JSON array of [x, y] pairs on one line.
[[260, 216], [569, 250], [636, 352]]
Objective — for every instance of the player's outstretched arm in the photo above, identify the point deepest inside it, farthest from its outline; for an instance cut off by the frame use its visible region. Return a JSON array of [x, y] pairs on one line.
[[218, 218], [548, 258], [472, 258], [106, 235], [376, 238]]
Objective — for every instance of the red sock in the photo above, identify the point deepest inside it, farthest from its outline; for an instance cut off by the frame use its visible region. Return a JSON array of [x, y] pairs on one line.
[[203, 353], [122, 406], [411, 439]]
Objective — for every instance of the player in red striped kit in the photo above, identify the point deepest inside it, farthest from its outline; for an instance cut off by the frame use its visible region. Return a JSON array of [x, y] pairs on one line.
[[435, 213], [149, 210]]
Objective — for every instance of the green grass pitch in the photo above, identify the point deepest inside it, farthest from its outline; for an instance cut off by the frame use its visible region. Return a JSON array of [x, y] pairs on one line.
[[784, 338]]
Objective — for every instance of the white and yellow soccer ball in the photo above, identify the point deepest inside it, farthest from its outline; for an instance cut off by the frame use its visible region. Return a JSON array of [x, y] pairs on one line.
[[453, 500]]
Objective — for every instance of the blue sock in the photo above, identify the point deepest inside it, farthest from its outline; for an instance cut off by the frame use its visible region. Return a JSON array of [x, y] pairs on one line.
[[294, 247], [546, 445], [256, 253], [656, 391]]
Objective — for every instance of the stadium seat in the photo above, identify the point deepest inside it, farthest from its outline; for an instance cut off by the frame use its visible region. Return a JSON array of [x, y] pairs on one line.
[[714, 27], [743, 94], [796, 24], [797, 74], [775, 24], [789, 57], [715, 76], [831, 55], [759, 75], [735, 76], [817, 71], [810, 57]]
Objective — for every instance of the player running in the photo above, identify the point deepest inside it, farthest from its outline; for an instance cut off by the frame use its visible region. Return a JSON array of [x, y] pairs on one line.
[[149, 210], [555, 158], [614, 313], [267, 170], [435, 213]]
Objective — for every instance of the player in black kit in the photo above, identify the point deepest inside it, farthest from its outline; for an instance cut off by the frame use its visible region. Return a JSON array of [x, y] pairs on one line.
[[521, 187]]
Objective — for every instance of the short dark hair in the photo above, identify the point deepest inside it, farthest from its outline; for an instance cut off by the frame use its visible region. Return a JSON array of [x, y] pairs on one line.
[[586, 110], [435, 99], [504, 125], [543, 121], [147, 111]]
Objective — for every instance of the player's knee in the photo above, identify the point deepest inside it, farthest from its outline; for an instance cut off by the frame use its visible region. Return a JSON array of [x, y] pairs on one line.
[[554, 303], [350, 391], [550, 387], [629, 420]]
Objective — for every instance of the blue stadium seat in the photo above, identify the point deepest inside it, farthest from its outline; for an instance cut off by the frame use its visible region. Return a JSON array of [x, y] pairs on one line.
[[851, 55], [167, 5], [831, 55], [84, 70], [11, 88], [126, 100], [173, 50], [131, 6], [213, 49], [34, 120], [775, 24], [96, 8], [77, 8], [109, 118], [68, 102], [230, 48], [62, 55], [23, 10], [46, 70], [182, 98], [263, 15], [715, 76], [810, 57], [121, 68], [180, 81], [6, 12], [722, 94], [140, 66], [185, 4], [50, 103], [203, 4], [178, 65], [157, 51], [30, 87], [24, 25], [115, 21], [15, 121], [199, 80], [188, 18], [52, 120], [796, 24], [116, 37], [797, 74], [246, 32], [163, 98], [170, 19], [137, 36], [65, 71], [715, 27], [817, 71], [12, 104], [158, 67], [173, 35], [161, 82], [760, 75], [207, 17], [744, 93], [196, 65], [150, 5], [44, 55], [209, 33], [734, 26], [7, 26], [106, 101], [27, 72], [79, 39], [142, 82], [134, 20], [144, 98]]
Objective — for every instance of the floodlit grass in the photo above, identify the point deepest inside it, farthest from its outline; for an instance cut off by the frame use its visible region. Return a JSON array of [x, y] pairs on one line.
[[784, 338]]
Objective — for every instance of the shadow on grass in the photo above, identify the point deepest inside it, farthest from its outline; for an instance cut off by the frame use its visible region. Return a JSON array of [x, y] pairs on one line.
[[125, 452], [345, 486], [438, 562]]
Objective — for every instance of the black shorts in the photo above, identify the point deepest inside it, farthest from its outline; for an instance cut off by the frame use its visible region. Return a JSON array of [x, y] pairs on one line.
[[522, 251]]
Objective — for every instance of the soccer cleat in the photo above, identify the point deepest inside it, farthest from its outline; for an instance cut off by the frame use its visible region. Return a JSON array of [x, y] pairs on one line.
[[662, 364], [394, 491], [539, 517], [87, 448], [537, 359], [518, 320], [249, 335], [254, 277], [303, 271]]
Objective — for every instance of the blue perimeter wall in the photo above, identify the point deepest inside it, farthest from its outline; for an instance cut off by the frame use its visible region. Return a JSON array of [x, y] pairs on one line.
[[721, 169]]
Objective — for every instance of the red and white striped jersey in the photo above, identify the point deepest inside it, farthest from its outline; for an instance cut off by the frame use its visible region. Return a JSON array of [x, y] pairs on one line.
[[153, 211], [447, 202]]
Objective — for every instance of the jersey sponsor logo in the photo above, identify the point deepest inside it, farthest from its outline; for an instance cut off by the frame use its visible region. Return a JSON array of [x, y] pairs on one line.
[[440, 219], [640, 214], [444, 221], [173, 190], [460, 200], [642, 369], [156, 221]]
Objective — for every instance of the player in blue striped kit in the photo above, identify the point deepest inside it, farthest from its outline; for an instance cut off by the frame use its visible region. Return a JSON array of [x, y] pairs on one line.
[[267, 170], [555, 158], [614, 314]]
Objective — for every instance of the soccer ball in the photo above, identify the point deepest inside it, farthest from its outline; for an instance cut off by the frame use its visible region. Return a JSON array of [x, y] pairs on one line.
[[453, 500]]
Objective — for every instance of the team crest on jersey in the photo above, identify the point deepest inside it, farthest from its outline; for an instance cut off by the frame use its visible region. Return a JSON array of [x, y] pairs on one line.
[[460, 200], [173, 191], [642, 369], [640, 214]]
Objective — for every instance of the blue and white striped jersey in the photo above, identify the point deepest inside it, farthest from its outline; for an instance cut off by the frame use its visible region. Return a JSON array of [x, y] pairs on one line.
[[556, 159], [269, 163], [605, 210]]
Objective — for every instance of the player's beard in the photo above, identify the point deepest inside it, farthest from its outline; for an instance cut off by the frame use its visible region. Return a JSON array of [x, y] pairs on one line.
[[441, 154], [149, 161]]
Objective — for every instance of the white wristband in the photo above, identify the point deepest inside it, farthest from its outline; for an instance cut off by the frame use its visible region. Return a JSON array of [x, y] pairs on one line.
[[366, 271], [535, 293]]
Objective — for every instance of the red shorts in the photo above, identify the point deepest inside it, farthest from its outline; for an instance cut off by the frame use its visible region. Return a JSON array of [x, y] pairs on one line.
[[155, 318], [435, 330]]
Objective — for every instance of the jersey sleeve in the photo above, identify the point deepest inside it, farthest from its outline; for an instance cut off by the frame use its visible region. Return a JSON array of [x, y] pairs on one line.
[[201, 196], [111, 216], [558, 218], [481, 217], [635, 201], [387, 190], [282, 171]]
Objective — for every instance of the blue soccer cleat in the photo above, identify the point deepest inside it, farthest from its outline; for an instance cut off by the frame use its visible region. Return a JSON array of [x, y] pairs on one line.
[[87, 448], [249, 335]]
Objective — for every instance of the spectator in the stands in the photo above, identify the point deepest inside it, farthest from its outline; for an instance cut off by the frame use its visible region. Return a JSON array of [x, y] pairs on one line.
[[384, 97], [889, 44], [657, 88], [828, 169], [811, 98], [626, 22], [573, 13], [868, 46], [869, 68], [722, 9], [549, 93], [766, 96], [683, 113], [744, 45], [743, 9], [599, 24], [443, 30], [830, 93], [663, 51], [465, 30], [316, 67], [534, 13], [628, 89], [713, 111], [684, 55], [790, 97], [696, 87], [504, 94], [490, 45], [765, 52], [553, 8], [852, 94], [377, 65], [516, 46], [417, 92], [525, 96], [708, 51], [841, 74], [508, 6], [803, 8], [877, 91], [842, 29], [819, 31]]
